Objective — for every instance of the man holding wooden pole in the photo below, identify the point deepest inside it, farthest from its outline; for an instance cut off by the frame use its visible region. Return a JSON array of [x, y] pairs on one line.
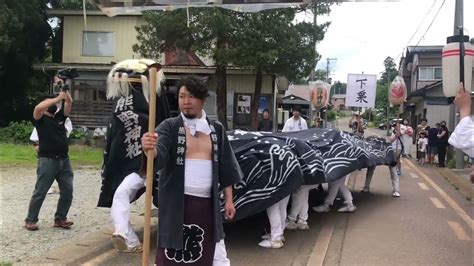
[[197, 165]]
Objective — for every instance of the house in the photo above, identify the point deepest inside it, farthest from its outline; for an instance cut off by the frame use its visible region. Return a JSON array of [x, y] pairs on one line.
[[92, 44], [421, 69], [338, 101]]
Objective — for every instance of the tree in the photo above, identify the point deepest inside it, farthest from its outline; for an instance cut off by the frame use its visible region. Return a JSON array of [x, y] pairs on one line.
[[209, 31], [390, 71], [338, 88], [381, 97], [24, 32], [270, 41]]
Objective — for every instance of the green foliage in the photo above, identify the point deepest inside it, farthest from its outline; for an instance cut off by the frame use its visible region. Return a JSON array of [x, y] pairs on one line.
[[451, 163], [24, 32], [268, 41], [16, 132], [331, 115], [78, 134]]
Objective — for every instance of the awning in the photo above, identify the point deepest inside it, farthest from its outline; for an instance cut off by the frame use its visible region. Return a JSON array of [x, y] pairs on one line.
[[120, 7]]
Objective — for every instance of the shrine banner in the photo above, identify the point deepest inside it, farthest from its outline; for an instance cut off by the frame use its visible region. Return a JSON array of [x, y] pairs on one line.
[[276, 164], [361, 90]]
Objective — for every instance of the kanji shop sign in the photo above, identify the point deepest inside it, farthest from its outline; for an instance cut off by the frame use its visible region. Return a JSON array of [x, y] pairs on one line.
[[361, 90]]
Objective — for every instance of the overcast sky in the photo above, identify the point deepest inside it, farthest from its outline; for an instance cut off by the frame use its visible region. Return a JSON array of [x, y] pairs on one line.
[[362, 35]]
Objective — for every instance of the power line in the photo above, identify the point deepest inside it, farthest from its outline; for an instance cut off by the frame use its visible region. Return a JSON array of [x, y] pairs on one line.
[[416, 31], [436, 15]]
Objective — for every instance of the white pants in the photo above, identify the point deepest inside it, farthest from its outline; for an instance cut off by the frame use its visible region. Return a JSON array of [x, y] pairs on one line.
[[393, 176], [334, 187], [120, 210], [299, 204], [407, 143], [277, 217], [220, 255]]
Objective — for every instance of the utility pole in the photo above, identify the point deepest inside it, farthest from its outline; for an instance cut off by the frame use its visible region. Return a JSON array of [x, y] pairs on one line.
[[327, 68], [458, 23]]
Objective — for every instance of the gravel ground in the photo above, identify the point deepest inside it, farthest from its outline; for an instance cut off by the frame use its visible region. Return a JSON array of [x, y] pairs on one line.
[[16, 187]]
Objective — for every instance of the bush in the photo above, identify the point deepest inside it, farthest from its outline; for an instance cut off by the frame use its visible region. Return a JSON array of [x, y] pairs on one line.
[[331, 115], [78, 134], [451, 164], [16, 132]]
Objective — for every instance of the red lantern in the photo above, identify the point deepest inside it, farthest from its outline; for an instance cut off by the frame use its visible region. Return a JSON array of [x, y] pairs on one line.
[[397, 93]]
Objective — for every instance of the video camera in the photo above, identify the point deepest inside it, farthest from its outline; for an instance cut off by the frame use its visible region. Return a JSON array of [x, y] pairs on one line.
[[62, 75], [67, 73]]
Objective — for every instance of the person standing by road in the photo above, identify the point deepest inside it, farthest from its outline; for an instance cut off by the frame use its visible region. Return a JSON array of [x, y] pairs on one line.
[[266, 124], [443, 136]]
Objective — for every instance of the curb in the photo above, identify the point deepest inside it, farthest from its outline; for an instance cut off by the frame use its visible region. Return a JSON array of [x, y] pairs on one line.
[[464, 186], [90, 247]]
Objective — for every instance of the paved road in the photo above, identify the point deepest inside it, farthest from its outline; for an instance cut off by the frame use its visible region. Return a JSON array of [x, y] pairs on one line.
[[430, 224]]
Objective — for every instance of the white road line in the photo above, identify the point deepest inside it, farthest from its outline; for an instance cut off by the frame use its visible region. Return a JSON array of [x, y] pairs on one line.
[[423, 186], [413, 175], [321, 247], [437, 203], [459, 231], [446, 197]]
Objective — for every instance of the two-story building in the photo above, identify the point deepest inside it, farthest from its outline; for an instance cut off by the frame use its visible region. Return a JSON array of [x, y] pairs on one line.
[[94, 44], [421, 68]]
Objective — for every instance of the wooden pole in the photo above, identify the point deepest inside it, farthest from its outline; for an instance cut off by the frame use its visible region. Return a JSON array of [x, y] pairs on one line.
[[149, 167]]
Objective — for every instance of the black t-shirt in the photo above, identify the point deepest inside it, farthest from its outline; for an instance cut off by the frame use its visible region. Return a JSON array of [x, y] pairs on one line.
[[444, 139], [52, 137], [265, 125], [432, 137]]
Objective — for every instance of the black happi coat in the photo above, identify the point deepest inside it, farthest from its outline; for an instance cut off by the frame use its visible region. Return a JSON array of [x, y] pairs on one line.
[[123, 152], [170, 159]]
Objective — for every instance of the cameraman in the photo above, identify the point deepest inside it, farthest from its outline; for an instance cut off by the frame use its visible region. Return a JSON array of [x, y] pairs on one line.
[[53, 160]]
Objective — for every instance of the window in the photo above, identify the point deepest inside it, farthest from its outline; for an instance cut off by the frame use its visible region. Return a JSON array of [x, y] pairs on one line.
[[430, 73], [89, 90], [96, 43]]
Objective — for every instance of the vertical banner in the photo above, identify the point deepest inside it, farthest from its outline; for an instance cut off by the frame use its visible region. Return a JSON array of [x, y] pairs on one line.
[[361, 90]]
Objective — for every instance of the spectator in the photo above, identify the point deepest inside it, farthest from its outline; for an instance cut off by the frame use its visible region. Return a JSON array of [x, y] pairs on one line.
[[422, 144], [407, 139], [433, 143], [266, 124], [296, 122], [443, 135], [422, 127]]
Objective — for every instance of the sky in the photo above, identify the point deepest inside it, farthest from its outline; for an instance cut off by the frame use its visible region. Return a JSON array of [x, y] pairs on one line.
[[363, 34]]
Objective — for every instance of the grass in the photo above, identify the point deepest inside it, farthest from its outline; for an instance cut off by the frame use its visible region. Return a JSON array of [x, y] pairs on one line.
[[22, 154]]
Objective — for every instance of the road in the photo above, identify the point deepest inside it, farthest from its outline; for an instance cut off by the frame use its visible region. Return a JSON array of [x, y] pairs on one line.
[[430, 224]]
